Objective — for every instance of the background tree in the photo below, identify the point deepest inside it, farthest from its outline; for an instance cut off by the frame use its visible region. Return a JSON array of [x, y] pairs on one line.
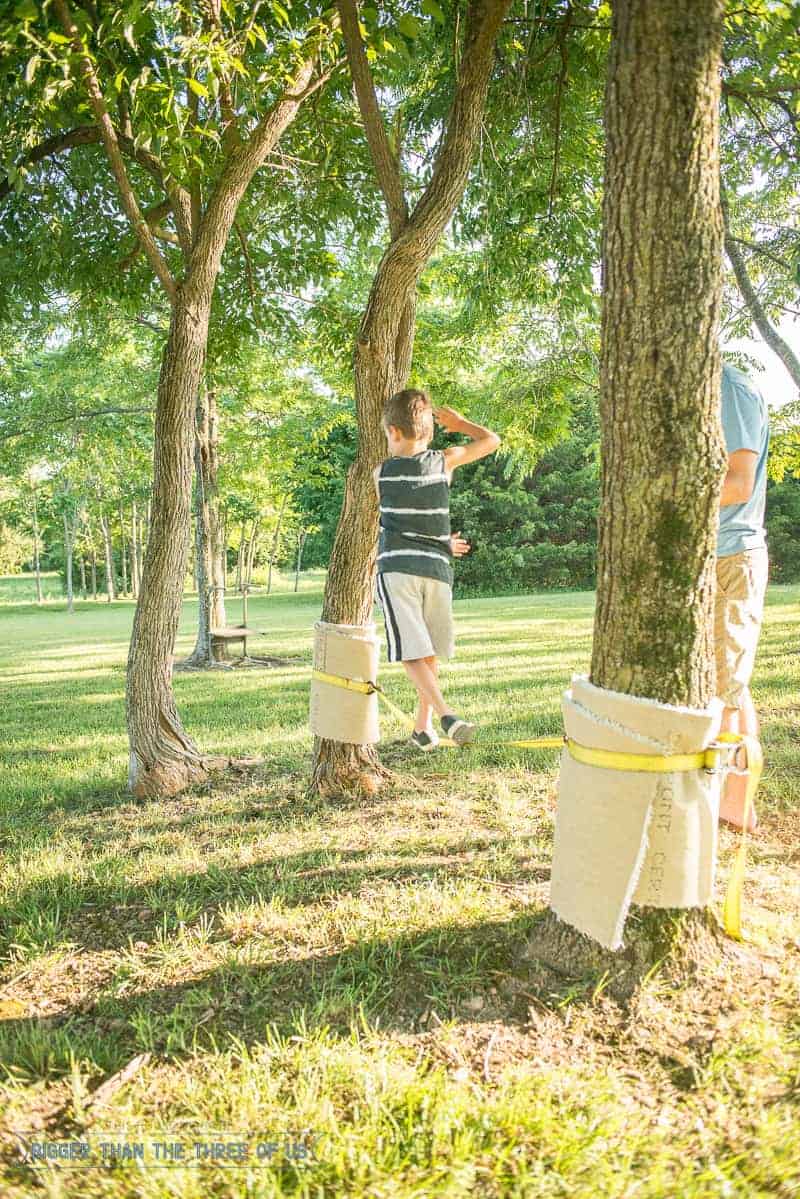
[[249, 82]]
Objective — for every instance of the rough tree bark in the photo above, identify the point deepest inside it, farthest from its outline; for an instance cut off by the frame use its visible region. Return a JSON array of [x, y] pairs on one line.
[[386, 336], [662, 450], [163, 758]]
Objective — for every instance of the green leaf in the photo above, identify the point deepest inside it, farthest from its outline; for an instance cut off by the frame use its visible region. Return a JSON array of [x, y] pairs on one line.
[[26, 10], [432, 9], [409, 26], [197, 87]]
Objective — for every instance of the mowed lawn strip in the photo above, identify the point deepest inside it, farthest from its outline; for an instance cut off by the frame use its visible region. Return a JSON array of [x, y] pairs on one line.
[[352, 975]]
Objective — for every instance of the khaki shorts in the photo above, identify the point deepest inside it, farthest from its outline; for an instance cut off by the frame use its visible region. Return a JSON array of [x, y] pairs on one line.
[[739, 606], [418, 613]]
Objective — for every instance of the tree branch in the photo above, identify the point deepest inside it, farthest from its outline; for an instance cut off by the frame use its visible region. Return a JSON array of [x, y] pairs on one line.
[[562, 78], [387, 168], [111, 143], [451, 167], [76, 416], [248, 265], [242, 164], [756, 309], [89, 135]]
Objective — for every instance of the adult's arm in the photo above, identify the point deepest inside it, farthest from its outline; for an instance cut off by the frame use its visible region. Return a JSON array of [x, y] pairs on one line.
[[740, 479]]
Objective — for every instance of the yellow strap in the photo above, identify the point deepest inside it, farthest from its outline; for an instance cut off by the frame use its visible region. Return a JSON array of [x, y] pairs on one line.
[[732, 907], [610, 759], [707, 759], [338, 680]]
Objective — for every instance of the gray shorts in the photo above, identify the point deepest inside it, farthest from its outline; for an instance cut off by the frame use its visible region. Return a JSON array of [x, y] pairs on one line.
[[418, 612]]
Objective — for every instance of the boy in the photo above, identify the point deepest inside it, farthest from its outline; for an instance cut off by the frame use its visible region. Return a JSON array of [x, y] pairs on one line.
[[416, 549]]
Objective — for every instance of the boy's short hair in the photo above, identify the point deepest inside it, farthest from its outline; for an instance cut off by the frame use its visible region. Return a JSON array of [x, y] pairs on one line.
[[411, 412]]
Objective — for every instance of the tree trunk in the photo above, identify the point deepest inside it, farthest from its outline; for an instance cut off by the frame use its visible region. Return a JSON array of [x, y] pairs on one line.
[[123, 550], [94, 574], [111, 591], [82, 564], [163, 759], [382, 364], [386, 337], [68, 543], [240, 559], [208, 551], [136, 551], [36, 565], [662, 449], [251, 553], [301, 540], [275, 540]]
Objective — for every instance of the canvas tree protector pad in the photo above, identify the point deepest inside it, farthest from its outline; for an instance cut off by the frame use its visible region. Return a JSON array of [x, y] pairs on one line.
[[350, 651], [627, 837]]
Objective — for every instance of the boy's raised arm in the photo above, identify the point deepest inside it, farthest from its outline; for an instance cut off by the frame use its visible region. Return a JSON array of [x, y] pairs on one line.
[[483, 442]]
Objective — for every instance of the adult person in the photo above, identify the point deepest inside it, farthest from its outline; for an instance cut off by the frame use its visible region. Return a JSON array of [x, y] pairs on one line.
[[742, 567]]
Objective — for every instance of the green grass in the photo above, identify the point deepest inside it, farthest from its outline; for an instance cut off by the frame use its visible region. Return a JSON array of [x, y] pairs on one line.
[[355, 971], [21, 589]]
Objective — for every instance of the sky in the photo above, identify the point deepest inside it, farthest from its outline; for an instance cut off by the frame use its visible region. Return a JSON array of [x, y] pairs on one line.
[[773, 380]]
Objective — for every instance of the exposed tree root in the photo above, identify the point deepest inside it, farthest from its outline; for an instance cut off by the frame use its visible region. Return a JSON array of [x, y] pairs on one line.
[[672, 939], [347, 770]]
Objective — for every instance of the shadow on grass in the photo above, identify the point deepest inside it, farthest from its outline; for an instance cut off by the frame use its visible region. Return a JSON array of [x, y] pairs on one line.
[[395, 982], [107, 913]]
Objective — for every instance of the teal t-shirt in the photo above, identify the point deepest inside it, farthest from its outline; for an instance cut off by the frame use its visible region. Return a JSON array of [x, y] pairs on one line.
[[745, 425]]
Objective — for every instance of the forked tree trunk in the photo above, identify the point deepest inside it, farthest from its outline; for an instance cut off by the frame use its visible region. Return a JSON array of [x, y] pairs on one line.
[[36, 564], [163, 758], [69, 537], [111, 591], [386, 338], [662, 448], [208, 548]]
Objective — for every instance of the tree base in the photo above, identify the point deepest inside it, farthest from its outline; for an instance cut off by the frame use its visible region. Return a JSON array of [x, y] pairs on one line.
[[684, 940], [166, 779], [346, 770]]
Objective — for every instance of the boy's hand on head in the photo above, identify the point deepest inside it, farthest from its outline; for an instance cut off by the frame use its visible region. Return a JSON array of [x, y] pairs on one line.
[[459, 546], [449, 419]]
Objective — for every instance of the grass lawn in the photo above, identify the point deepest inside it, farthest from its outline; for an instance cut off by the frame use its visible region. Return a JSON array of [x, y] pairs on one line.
[[348, 979]]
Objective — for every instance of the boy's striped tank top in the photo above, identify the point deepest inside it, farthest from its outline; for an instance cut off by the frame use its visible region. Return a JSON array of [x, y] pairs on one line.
[[415, 516]]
